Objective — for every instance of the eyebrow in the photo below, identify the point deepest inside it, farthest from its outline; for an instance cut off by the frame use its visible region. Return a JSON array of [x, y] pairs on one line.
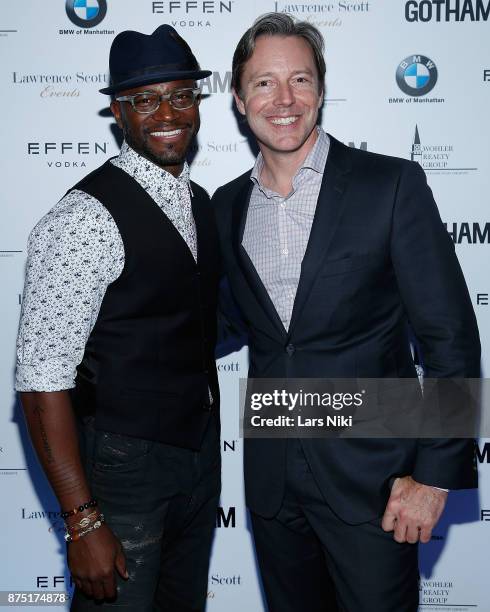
[[261, 75]]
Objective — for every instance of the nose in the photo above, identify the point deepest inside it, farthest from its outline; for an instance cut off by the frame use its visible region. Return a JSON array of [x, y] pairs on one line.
[[284, 94], [165, 112]]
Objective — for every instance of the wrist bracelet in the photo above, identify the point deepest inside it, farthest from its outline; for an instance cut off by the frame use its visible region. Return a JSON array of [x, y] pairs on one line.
[[85, 522], [90, 504], [74, 535]]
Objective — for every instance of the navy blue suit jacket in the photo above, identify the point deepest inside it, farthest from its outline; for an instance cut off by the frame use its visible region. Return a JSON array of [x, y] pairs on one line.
[[378, 262]]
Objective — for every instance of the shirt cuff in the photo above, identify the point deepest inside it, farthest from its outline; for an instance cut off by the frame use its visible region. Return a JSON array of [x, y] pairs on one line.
[[49, 375]]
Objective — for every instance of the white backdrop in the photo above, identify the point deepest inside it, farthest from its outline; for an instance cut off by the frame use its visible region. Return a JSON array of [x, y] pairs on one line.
[[55, 128]]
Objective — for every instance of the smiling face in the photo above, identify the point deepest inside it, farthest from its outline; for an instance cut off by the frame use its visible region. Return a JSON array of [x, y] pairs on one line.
[[163, 136], [280, 95]]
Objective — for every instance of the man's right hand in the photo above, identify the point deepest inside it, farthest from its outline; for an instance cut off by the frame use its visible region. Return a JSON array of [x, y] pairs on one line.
[[93, 561], [95, 557]]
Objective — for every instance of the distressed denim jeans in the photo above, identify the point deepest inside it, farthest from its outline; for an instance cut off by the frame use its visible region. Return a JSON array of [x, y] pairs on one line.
[[161, 502]]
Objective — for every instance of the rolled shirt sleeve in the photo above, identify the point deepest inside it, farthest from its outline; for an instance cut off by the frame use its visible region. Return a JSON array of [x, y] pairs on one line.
[[73, 254]]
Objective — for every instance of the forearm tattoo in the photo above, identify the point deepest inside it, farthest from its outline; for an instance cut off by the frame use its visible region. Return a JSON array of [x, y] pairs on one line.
[[38, 411]]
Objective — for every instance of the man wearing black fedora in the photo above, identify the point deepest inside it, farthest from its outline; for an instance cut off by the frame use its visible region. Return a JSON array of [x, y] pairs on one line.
[[115, 355]]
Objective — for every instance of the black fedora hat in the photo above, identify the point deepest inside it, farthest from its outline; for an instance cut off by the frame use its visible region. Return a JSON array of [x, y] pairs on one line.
[[141, 59]]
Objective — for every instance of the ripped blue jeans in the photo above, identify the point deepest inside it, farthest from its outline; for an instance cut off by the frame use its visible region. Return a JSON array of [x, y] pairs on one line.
[[161, 502]]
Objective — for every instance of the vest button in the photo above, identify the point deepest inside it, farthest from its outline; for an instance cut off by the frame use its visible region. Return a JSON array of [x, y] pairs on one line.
[[290, 348]]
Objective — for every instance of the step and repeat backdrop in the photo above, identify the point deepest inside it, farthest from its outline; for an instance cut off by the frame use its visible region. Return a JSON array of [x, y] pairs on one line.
[[405, 78]]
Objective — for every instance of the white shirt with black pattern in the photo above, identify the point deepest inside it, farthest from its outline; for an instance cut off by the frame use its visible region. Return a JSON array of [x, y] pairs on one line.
[[73, 254]]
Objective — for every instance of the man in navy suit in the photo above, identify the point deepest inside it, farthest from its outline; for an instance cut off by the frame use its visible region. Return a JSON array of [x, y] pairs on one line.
[[331, 253]]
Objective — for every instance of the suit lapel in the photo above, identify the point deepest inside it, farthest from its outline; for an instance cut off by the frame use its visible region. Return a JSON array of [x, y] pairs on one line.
[[325, 223], [240, 211]]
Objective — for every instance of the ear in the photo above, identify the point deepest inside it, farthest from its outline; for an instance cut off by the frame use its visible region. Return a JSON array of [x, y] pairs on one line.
[[239, 102], [320, 98], [116, 111]]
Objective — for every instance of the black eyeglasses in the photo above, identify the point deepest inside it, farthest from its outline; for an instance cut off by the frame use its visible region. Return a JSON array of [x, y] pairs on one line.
[[149, 101]]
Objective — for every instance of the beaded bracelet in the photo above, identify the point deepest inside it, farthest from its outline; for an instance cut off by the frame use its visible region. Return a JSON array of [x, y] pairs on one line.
[[90, 504], [85, 522], [74, 535]]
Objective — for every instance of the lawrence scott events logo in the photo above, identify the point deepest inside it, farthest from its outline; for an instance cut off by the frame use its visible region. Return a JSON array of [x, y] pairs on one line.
[[53, 85], [323, 14], [86, 13]]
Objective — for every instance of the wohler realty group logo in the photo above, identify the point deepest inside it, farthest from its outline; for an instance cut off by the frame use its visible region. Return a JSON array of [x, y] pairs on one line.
[[439, 158]]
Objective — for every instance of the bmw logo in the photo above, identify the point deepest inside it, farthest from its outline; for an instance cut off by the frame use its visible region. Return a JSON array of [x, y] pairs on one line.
[[86, 13], [416, 75]]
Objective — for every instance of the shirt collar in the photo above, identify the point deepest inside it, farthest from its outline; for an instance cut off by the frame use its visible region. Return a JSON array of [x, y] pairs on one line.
[[315, 160], [146, 172]]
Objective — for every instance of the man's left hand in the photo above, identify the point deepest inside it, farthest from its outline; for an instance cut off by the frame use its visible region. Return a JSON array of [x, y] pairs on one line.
[[413, 510]]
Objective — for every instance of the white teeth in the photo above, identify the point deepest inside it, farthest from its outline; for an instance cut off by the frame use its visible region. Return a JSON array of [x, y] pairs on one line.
[[283, 120], [167, 134]]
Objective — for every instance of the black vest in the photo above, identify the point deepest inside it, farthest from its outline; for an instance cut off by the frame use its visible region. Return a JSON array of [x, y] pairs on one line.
[[149, 361]]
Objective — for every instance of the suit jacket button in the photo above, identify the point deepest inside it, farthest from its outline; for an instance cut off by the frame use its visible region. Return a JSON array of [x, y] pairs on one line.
[[290, 348]]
